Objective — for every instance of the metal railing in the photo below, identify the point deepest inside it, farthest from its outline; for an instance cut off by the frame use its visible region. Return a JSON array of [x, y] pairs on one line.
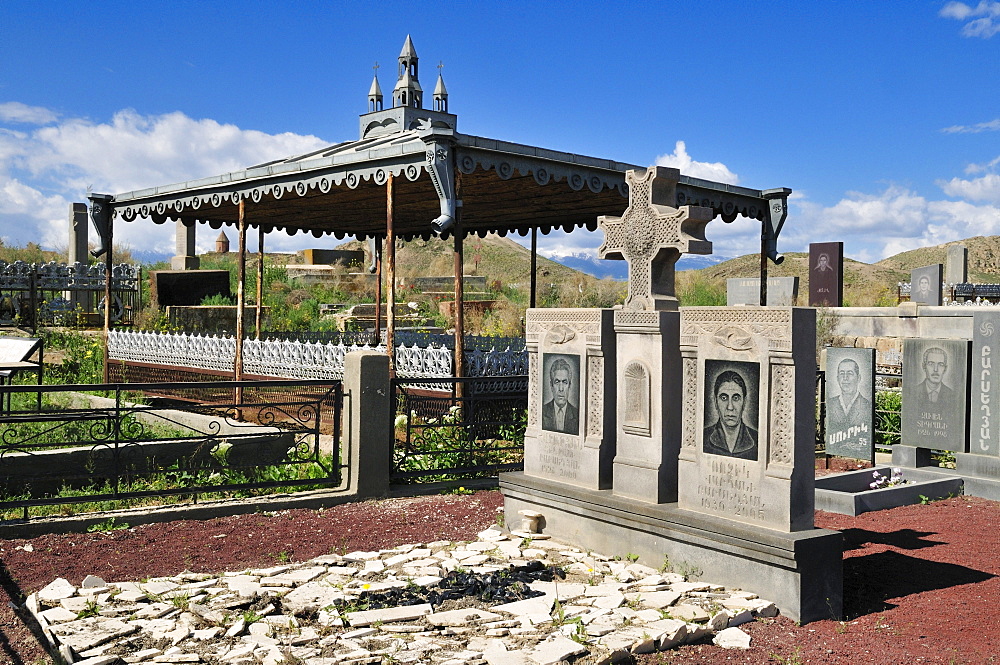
[[458, 428], [145, 443]]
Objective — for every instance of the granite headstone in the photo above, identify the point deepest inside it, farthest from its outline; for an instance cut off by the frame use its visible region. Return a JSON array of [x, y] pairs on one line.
[[826, 274], [984, 425], [957, 265], [850, 403], [570, 436], [925, 285], [935, 393], [781, 291], [748, 433]]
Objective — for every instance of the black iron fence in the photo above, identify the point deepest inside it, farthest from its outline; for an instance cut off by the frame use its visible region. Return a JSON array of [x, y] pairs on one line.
[[52, 293], [110, 446], [458, 428]]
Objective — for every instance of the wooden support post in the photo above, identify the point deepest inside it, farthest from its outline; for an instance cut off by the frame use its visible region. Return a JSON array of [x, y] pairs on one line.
[[534, 265], [108, 270], [390, 274], [459, 299], [377, 260], [240, 299], [260, 279]]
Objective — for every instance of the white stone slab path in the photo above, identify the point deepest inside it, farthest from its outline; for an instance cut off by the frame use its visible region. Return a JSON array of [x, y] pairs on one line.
[[603, 610]]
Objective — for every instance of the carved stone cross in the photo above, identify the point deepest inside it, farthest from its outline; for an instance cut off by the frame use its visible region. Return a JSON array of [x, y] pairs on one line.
[[651, 235]]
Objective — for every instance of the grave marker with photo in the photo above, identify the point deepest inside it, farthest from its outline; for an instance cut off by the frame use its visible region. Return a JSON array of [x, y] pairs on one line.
[[850, 403], [935, 393]]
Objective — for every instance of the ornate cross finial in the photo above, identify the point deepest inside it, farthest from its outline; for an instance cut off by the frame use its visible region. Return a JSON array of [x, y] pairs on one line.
[[376, 67], [440, 65], [651, 235]]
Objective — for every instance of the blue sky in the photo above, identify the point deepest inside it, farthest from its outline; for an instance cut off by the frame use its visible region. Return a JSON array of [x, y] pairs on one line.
[[883, 117]]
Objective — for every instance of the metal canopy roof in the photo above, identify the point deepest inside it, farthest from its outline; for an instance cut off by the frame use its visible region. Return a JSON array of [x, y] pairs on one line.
[[505, 187], [501, 187]]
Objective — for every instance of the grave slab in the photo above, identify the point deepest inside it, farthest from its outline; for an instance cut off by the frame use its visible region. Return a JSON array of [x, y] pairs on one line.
[[925, 285], [571, 367], [826, 274], [935, 394], [850, 403], [748, 436], [781, 291], [984, 424]]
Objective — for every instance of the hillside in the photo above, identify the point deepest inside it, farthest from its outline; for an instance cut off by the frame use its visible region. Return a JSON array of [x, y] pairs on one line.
[[984, 258], [496, 258]]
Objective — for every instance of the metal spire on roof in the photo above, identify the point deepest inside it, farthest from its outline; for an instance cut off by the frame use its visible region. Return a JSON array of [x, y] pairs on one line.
[[408, 91], [375, 93], [440, 92]]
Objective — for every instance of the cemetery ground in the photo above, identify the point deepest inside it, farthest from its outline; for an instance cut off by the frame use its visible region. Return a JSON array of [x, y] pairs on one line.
[[921, 582]]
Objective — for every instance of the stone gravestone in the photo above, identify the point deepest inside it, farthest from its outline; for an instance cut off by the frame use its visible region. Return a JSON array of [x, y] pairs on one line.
[[925, 285], [826, 274], [748, 441], [650, 235], [570, 432], [781, 291], [984, 425], [957, 265], [935, 396], [850, 403]]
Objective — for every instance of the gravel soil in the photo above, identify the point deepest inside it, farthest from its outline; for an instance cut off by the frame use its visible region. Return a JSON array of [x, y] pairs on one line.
[[922, 583]]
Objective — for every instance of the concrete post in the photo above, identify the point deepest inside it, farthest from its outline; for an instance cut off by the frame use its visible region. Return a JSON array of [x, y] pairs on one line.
[[367, 436], [187, 257]]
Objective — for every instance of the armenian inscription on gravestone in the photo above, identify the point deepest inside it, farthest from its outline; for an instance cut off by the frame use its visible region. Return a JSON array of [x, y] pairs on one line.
[[925, 285], [570, 431], [984, 425], [748, 432], [826, 274], [935, 396], [850, 403], [781, 291]]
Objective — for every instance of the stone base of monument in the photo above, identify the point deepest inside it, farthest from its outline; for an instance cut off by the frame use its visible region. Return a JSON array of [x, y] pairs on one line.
[[979, 474], [801, 572], [850, 493]]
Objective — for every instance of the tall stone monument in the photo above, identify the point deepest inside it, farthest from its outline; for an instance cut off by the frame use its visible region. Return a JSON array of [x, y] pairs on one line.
[[187, 256], [826, 274], [708, 416], [651, 236]]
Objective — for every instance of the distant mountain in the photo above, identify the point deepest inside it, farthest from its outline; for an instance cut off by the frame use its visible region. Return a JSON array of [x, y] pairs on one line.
[[604, 268]]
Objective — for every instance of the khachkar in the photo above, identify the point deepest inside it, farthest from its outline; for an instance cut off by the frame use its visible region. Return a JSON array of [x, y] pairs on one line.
[[651, 236]]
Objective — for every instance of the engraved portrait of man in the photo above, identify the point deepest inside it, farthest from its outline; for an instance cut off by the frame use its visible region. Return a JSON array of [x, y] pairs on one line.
[[933, 394], [561, 411], [731, 434], [849, 408]]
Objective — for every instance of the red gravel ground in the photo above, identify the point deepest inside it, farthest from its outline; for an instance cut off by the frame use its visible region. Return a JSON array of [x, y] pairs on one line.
[[921, 582]]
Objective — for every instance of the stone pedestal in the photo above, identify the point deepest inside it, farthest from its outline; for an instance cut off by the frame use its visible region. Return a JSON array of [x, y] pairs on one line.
[[78, 227], [571, 368], [649, 424]]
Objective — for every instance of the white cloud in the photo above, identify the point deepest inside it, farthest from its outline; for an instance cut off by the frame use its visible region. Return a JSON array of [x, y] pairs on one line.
[[30, 115], [985, 17], [680, 159], [991, 126], [985, 188], [43, 170]]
